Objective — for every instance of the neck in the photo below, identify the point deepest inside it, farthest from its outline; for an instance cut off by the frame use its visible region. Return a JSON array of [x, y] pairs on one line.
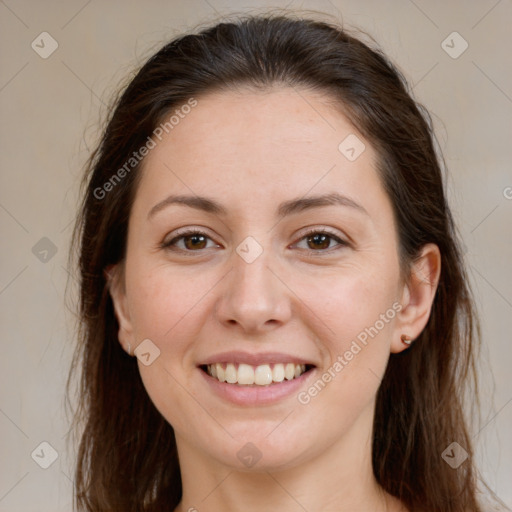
[[340, 478]]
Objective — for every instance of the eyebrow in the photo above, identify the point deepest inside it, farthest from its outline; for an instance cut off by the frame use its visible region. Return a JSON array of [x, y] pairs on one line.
[[285, 209]]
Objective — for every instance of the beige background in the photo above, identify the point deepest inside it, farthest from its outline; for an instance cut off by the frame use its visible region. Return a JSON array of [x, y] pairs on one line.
[[50, 109]]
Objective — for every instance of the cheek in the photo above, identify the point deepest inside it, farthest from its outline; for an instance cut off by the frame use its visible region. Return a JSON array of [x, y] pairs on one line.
[[357, 307], [351, 303], [163, 301], [358, 318], [166, 307]]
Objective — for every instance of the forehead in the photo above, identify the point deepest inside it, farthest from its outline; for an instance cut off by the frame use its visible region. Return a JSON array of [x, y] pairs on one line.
[[258, 144], [265, 124]]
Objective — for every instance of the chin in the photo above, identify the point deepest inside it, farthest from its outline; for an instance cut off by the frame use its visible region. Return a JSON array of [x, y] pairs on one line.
[[262, 451]]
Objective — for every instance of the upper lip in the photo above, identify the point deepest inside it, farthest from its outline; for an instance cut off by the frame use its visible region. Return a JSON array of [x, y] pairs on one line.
[[238, 357]]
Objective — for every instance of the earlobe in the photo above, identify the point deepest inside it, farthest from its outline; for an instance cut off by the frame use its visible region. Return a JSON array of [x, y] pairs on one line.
[[417, 298], [115, 283]]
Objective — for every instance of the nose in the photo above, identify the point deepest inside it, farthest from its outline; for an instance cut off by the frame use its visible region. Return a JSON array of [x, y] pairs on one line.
[[253, 296]]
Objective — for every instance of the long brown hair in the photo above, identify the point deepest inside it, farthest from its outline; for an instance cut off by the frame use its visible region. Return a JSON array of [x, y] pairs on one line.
[[127, 457]]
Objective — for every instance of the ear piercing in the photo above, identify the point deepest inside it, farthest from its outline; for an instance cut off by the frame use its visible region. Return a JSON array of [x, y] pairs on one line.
[[406, 339]]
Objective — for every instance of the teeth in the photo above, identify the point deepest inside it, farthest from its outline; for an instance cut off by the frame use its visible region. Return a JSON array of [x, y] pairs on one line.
[[245, 374], [230, 374], [278, 373], [289, 371], [220, 373], [262, 375]]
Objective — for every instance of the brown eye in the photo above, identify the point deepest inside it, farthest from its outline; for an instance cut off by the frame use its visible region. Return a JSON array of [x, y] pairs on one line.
[[319, 241], [193, 241]]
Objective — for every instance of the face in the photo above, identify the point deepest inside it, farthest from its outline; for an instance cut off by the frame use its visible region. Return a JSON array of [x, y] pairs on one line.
[[274, 276]]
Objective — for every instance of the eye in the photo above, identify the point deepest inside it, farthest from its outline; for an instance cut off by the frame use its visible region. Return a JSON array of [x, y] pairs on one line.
[[193, 240], [319, 240]]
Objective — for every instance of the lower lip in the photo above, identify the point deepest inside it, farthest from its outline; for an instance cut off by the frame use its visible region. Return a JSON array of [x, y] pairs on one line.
[[256, 395]]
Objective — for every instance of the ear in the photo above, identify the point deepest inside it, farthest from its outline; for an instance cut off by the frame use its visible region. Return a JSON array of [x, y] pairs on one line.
[[417, 296], [116, 286]]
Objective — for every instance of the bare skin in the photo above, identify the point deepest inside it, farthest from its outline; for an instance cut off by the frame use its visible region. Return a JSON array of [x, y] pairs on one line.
[[302, 296]]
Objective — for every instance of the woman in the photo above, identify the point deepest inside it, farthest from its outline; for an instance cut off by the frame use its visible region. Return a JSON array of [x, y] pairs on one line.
[[275, 313]]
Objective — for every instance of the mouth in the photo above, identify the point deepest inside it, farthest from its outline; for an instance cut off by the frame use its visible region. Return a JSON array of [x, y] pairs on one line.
[[242, 374]]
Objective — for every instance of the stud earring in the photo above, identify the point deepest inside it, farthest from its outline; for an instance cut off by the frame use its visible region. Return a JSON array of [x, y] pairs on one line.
[[406, 339]]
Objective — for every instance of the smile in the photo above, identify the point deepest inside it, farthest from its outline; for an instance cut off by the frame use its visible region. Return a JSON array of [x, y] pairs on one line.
[[261, 375]]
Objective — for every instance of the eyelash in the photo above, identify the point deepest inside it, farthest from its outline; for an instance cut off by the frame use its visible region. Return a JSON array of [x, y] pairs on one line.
[[170, 245]]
